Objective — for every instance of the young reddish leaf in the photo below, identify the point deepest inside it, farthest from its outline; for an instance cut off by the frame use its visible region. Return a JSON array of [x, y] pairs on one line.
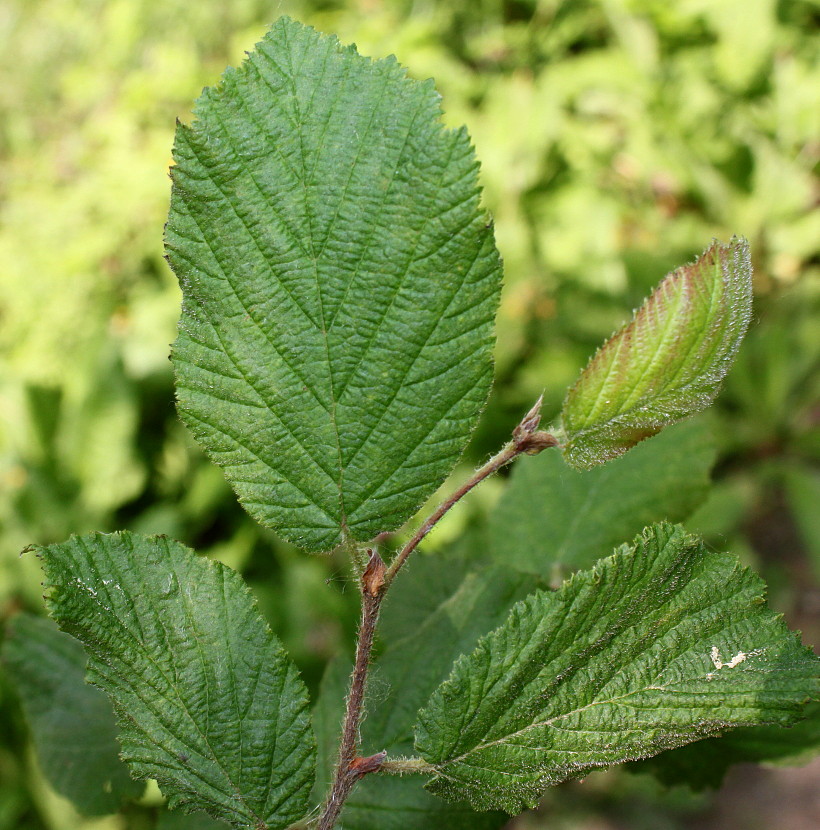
[[667, 362]]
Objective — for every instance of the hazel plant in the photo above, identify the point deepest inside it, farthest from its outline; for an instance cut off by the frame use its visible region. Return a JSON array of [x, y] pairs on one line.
[[340, 281]]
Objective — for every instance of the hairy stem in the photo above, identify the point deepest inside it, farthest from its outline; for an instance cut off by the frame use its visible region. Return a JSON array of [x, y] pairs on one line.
[[375, 580], [507, 454], [526, 439], [350, 768]]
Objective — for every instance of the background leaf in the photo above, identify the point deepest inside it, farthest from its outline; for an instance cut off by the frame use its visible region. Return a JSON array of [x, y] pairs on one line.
[[72, 724], [703, 764], [802, 488], [339, 282], [195, 821], [661, 644], [552, 515], [207, 701], [666, 363]]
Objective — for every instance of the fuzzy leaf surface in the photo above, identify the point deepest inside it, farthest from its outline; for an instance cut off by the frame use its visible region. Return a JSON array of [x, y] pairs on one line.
[[339, 283], [553, 516], [207, 701], [667, 362], [663, 643], [72, 724]]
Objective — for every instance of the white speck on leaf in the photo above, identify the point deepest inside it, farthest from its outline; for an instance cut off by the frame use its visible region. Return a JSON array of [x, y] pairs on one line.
[[85, 587], [719, 664]]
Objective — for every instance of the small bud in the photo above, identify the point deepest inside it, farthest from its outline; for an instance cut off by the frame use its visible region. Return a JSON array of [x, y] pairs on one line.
[[373, 576], [533, 444], [527, 438], [362, 766], [529, 423]]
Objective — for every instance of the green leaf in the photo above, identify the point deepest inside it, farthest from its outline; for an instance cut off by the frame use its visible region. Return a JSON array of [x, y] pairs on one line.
[[386, 802], [661, 644], [667, 362], [802, 489], [703, 765], [328, 714], [428, 582], [552, 515], [180, 821], [207, 701], [339, 287], [72, 723]]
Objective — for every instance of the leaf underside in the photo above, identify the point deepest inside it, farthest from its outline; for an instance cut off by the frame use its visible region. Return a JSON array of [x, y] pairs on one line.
[[661, 644], [339, 284], [667, 362], [207, 701]]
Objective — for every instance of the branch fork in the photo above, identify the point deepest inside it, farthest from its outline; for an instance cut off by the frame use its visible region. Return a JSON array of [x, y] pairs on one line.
[[375, 580]]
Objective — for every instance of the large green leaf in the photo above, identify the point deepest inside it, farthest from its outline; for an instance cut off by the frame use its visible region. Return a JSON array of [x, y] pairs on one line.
[[72, 724], [661, 644], [552, 515], [667, 362], [339, 287], [207, 701]]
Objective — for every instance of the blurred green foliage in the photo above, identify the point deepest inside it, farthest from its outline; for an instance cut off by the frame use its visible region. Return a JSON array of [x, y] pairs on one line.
[[617, 137]]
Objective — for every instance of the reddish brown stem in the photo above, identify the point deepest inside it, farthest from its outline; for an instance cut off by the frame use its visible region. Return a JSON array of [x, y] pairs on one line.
[[526, 439], [350, 768]]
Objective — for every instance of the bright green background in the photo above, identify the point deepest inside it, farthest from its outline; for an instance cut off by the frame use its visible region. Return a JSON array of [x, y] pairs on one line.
[[616, 139]]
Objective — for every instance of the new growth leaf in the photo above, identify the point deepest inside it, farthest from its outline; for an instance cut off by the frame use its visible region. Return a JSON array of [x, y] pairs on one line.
[[665, 364]]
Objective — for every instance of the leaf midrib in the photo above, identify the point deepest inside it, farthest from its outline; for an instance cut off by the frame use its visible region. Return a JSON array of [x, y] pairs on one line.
[[311, 244], [334, 395]]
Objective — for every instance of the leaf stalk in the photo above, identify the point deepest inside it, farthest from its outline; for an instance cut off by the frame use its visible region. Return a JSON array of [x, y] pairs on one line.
[[527, 439]]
